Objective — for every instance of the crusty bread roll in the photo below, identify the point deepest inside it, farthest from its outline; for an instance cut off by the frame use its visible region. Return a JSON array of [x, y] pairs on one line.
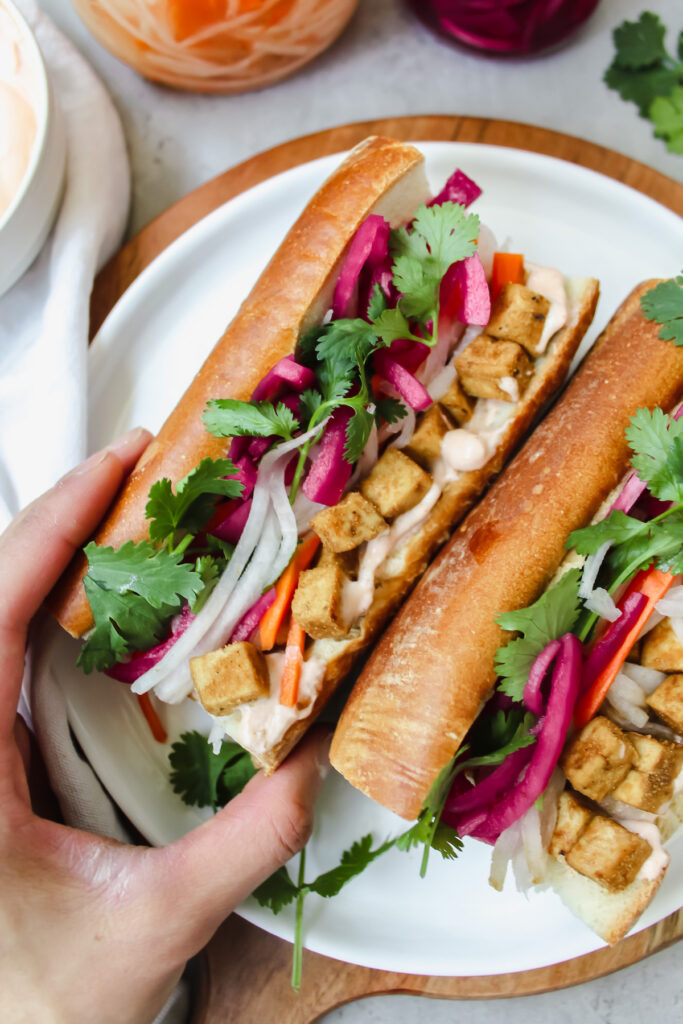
[[292, 294], [434, 667]]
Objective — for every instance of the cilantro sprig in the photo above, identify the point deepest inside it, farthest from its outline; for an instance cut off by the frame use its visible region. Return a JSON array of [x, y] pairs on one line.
[[664, 304], [202, 778], [550, 617], [643, 72], [135, 590]]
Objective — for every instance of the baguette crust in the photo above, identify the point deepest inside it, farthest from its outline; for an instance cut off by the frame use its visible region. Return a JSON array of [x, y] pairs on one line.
[[432, 671], [403, 570], [292, 294]]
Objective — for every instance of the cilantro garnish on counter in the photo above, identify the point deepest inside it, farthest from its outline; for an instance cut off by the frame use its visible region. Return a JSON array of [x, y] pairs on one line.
[[664, 304], [136, 590], [644, 73]]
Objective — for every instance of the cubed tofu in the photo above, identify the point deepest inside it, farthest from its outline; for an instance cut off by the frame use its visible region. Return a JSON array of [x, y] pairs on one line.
[[653, 755], [425, 444], [348, 524], [519, 315], [494, 369], [317, 604], [234, 675], [609, 854], [395, 483], [598, 758], [457, 404], [661, 649], [646, 790], [667, 702], [347, 561], [572, 820]]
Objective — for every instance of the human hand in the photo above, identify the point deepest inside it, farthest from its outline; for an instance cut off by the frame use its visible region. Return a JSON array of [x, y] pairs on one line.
[[92, 929]]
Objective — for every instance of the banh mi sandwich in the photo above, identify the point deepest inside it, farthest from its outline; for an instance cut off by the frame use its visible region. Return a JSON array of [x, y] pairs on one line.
[[357, 405], [530, 692]]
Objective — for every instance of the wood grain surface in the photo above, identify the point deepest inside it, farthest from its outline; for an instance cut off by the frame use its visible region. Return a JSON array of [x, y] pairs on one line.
[[244, 971]]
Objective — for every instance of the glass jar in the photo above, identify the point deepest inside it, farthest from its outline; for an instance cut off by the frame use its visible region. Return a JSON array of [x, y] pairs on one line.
[[514, 27], [215, 45]]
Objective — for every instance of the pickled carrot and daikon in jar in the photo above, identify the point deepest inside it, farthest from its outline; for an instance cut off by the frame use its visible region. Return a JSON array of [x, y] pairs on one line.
[[215, 45]]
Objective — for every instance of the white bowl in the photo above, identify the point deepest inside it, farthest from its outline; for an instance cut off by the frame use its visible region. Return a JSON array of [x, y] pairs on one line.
[[26, 222]]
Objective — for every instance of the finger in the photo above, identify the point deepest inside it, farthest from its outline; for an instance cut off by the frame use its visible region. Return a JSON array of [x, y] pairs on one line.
[[213, 868], [39, 544]]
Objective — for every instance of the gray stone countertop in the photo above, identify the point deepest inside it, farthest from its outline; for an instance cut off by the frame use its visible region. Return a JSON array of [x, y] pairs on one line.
[[386, 64]]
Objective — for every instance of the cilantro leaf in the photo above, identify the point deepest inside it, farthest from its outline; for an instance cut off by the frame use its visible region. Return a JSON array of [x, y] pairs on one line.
[[310, 401], [194, 500], [392, 325], [390, 410], [450, 233], [616, 527], [277, 892], [664, 303], [157, 575], [205, 779], [357, 433], [209, 570], [229, 417], [353, 862], [640, 43], [346, 344], [377, 303], [123, 623], [429, 831], [643, 72], [666, 114], [657, 441], [554, 614]]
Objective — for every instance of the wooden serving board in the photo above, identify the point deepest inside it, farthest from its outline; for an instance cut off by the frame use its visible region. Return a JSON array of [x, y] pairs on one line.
[[244, 972]]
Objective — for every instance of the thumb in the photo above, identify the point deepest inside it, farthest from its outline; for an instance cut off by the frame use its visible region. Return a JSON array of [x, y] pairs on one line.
[[216, 866]]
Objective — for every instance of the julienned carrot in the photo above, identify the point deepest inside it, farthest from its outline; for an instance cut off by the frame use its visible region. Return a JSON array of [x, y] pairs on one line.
[[153, 720], [284, 591], [653, 583], [291, 668], [508, 268]]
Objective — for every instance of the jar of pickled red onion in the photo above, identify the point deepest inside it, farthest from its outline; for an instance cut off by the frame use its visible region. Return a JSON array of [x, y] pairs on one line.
[[215, 45]]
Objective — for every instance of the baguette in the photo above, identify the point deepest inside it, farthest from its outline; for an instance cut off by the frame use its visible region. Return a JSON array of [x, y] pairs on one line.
[[433, 669], [294, 294], [379, 176]]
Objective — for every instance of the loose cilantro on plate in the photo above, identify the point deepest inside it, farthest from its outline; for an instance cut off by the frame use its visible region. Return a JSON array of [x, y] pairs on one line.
[[664, 303], [644, 73], [554, 614]]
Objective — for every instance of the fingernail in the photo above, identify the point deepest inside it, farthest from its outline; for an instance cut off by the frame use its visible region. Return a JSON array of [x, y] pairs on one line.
[[129, 438]]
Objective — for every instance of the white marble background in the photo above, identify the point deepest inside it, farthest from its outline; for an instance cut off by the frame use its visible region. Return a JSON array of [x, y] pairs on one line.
[[387, 63]]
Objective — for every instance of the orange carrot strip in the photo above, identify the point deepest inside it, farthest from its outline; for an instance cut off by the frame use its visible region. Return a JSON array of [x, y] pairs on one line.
[[653, 583], [284, 591], [508, 268], [291, 669], [153, 720]]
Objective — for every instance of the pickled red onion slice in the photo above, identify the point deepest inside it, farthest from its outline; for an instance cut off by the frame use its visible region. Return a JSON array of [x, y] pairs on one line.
[[330, 472], [407, 385], [458, 189], [285, 371]]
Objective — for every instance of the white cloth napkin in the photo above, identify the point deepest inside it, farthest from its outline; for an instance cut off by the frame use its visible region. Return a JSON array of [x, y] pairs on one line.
[[43, 382], [44, 316]]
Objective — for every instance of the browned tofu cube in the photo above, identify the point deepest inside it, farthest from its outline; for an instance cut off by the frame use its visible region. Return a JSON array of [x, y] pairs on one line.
[[457, 404], [609, 854], [661, 649], [494, 369], [667, 702], [519, 315], [317, 604], [425, 444], [347, 561], [395, 483], [653, 755], [234, 675], [598, 758], [572, 819], [348, 524], [646, 790]]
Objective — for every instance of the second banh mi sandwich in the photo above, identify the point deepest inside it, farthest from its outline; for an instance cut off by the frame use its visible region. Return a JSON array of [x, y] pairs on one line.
[[384, 367], [533, 698]]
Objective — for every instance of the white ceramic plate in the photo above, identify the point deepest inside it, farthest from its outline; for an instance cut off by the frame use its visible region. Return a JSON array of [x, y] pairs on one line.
[[452, 923]]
